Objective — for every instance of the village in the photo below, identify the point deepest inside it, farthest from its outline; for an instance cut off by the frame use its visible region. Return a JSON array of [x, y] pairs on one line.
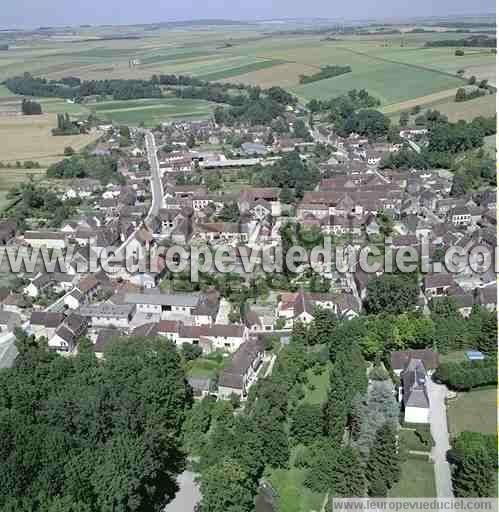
[[198, 204]]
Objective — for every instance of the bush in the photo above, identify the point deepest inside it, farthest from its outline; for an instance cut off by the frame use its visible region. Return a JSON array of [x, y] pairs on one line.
[[468, 374]]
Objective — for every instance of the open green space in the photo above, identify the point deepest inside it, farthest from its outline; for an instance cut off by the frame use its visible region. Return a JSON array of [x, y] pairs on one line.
[[293, 496], [239, 70], [317, 387], [391, 82], [151, 112], [475, 411], [206, 367], [417, 480]]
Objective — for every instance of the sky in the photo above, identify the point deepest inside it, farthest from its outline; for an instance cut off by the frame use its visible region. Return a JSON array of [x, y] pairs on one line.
[[35, 13]]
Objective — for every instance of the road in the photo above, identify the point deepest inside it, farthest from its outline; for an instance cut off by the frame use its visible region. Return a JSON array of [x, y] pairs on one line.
[[440, 433], [156, 183], [156, 186]]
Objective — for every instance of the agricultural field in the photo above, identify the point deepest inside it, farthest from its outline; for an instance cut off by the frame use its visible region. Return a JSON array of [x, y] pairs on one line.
[[151, 112], [395, 68], [29, 138], [444, 102], [475, 411]]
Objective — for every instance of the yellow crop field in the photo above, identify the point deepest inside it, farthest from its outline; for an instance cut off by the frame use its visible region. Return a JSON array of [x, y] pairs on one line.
[[30, 138]]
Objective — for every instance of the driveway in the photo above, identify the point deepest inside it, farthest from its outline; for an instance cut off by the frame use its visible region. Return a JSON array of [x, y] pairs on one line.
[[440, 433]]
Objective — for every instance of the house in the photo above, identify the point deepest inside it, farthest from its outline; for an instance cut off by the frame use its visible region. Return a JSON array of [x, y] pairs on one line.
[[252, 148], [108, 315], [414, 392], [44, 323], [400, 358], [227, 232], [438, 284], [74, 299], [209, 338], [66, 335], [299, 306], [163, 306], [242, 372], [201, 386], [460, 216], [14, 302], [59, 282], [48, 239]]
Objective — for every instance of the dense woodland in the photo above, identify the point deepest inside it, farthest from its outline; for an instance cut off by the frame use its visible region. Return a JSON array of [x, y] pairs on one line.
[[88, 436]]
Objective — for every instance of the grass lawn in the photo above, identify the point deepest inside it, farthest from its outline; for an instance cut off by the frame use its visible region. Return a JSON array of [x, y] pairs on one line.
[[417, 480], [411, 441], [318, 393], [205, 367], [475, 411], [293, 496]]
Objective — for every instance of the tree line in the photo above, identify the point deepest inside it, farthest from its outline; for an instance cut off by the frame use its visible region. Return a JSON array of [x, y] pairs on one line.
[[102, 168], [475, 41], [325, 72]]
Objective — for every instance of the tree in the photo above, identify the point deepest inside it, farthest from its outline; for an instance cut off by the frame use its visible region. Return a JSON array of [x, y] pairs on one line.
[[300, 130], [474, 459], [191, 141], [460, 94], [190, 351], [30, 107], [287, 196], [229, 213], [69, 151], [392, 293], [306, 423], [383, 464], [348, 479], [472, 80], [101, 436], [347, 379], [320, 474], [225, 487], [404, 119]]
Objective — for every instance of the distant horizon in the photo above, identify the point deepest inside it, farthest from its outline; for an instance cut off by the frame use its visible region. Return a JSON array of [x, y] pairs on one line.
[[55, 14]]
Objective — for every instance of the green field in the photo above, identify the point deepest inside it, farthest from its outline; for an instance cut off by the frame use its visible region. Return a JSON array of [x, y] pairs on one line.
[[317, 388], [293, 496], [395, 68], [475, 411], [417, 480], [151, 112], [239, 70]]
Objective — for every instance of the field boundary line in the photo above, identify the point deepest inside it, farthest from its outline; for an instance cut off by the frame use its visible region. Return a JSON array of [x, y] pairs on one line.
[[415, 66]]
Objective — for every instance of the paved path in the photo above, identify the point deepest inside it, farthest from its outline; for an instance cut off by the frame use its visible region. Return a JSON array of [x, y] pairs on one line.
[[440, 433], [187, 496]]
